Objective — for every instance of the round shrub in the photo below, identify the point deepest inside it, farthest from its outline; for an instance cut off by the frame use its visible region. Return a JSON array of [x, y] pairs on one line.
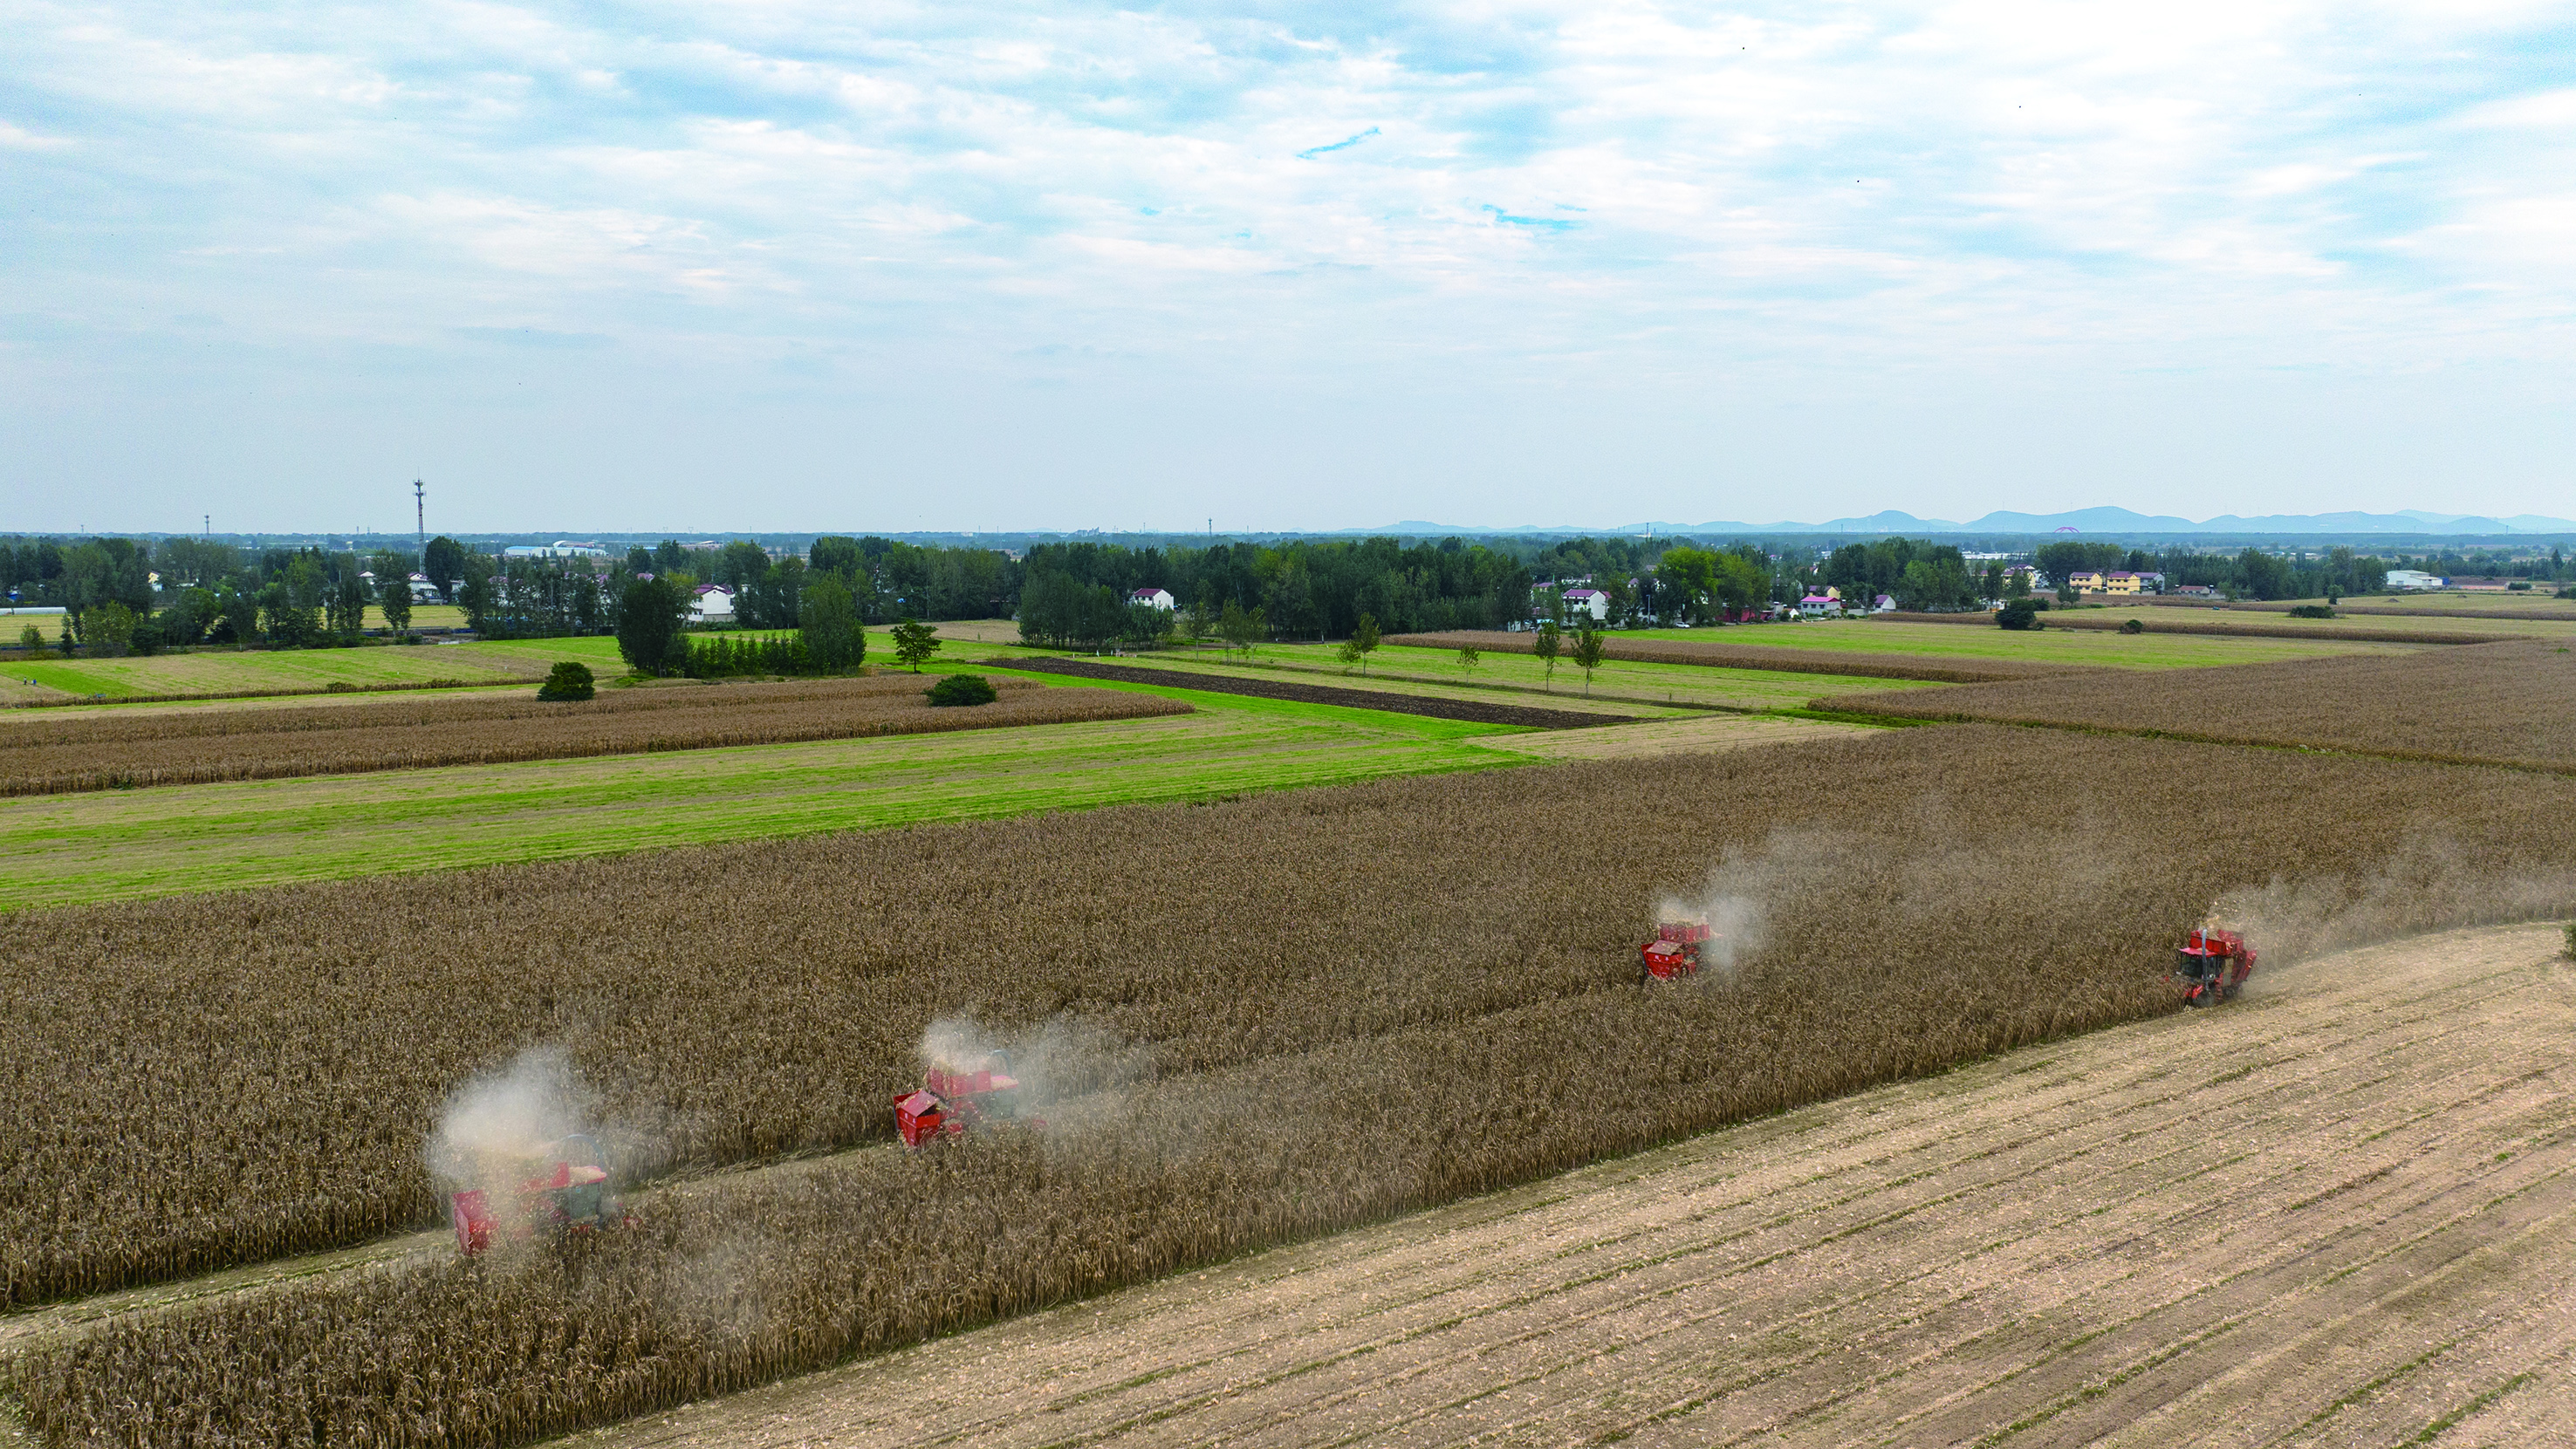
[[2133, 627], [961, 689], [2020, 614], [570, 680]]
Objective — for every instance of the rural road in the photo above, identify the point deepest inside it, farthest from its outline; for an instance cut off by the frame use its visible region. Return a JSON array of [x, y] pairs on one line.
[[2341, 1210]]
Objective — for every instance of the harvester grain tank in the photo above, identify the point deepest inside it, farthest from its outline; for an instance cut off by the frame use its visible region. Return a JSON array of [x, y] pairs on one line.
[[563, 1188], [2212, 966], [951, 1102], [1675, 950]]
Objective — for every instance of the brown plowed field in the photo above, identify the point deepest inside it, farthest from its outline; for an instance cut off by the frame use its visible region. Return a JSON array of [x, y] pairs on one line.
[[2341, 1210], [1475, 711]]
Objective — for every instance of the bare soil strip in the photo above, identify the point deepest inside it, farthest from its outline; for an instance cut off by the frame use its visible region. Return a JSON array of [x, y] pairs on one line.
[[1668, 737], [2340, 1210], [1474, 711]]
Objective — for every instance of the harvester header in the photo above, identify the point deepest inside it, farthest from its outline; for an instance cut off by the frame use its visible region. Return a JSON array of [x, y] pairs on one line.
[[2212, 966], [952, 1100], [1675, 950], [563, 1188]]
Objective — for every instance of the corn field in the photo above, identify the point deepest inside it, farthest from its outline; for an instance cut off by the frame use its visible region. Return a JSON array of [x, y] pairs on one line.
[[46, 754], [1474, 710], [1337, 1004], [1780, 657], [2490, 704]]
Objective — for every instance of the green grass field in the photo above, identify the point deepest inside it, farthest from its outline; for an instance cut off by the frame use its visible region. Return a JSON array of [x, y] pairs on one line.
[[71, 848], [230, 672], [2065, 646]]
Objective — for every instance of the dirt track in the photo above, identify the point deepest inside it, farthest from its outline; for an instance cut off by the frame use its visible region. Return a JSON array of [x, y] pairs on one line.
[[2341, 1210]]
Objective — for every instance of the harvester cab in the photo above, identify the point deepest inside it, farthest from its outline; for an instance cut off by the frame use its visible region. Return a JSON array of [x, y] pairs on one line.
[[1675, 950], [2212, 966], [563, 1188], [951, 1101]]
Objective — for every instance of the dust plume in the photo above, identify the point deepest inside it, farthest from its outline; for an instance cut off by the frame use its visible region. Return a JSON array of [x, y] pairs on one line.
[[496, 1122], [2426, 884], [1058, 1062]]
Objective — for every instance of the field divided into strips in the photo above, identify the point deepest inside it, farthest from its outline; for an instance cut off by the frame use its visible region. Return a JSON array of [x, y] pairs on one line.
[[2219, 624], [188, 838], [2341, 1210], [2487, 704], [46, 754], [2047, 646], [286, 670], [1623, 687]]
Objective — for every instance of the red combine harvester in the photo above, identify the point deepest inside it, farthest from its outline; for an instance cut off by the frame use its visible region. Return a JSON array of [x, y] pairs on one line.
[[566, 1191], [2212, 966], [1675, 950], [949, 1102]]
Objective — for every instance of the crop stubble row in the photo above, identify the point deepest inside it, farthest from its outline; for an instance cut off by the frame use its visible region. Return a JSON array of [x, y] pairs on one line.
[[2508, 704], [1780, 657], [55, 755], [1476, 711], [1390, 1026]]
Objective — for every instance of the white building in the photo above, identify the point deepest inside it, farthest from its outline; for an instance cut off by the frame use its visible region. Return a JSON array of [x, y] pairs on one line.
[[2414, 579], [1590, 602], [711, 604], [1159, 598], [560, 548]]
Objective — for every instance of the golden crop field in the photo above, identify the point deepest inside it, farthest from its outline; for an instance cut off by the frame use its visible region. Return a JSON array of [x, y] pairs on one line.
[[2219, 624], [2496, 704], [2340, 1211], [1335, 1014], [43, 755]]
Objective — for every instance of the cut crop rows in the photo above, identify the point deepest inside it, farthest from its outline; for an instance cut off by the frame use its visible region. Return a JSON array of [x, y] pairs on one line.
[[1473, 710], [2499, 704], [50, 754], [2236, 628], [1767, 656]]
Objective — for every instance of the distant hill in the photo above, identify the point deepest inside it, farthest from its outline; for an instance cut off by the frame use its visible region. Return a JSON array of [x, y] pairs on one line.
[[2081, 520]]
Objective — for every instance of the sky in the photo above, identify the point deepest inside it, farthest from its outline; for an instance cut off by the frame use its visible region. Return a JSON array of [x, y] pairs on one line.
[[761, 264]]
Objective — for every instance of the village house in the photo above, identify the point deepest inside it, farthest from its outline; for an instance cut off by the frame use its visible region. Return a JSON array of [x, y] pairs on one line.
[[1159, 598], [711, 604]]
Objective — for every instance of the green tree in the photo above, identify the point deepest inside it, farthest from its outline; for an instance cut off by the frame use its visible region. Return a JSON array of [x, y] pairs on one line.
[[652, 620], [1240, 630], [444, 561], [107, 630], [1551, 643], [570, 679], [915, 642], [1468, 657], [828, 619], [393, 595], [1365, 636], [31, 639], [961, 689], [1587, 654], [344, 604], [2021, 613]]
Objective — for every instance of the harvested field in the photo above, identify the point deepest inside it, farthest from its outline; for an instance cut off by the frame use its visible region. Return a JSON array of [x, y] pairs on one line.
[[2488, 704], [763, 998], [91, 752], [2541, 609], [1476, 711], [1651, 738], [2114, 621], [2339, 1211], [1763, 656]]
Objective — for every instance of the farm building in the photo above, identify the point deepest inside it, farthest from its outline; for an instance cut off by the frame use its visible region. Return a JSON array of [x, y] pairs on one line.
[[560, 548], [1819, 606], [1588, 603], [711, 604], [1159, 598], [2414, 579], [2194, 591]]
